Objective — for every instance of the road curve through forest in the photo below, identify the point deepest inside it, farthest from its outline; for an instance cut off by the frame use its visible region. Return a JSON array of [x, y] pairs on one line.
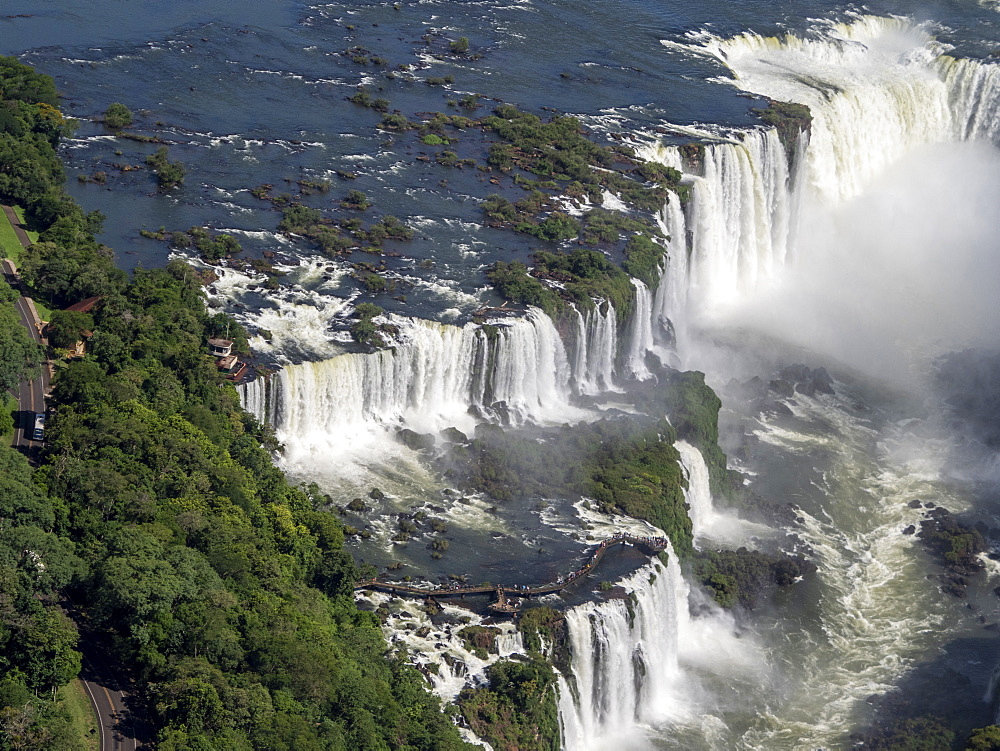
[[106, 691]]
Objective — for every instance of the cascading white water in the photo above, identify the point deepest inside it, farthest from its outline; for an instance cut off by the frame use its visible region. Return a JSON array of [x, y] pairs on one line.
[[436, 375], [596, 349], [625, 672], [254, 396], [428, 378], [974, 96], [698, 494], [641, 334], [876, 88], [739, 218], [671, 299], [531, 371]]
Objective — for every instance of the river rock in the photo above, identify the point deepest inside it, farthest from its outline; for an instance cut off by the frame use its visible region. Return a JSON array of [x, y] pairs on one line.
[[413, 440], [454, 435], [781, 387]]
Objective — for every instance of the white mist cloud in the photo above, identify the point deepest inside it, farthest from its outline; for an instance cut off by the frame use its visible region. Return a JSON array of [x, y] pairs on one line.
[[907, 270]]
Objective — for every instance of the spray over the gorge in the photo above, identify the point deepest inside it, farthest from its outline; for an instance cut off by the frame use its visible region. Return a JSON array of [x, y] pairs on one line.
[[743, 307]]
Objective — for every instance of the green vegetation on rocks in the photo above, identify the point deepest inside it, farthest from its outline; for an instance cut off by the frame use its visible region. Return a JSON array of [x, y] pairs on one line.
[[339, 238], [580, 277], [365, 331], [789, 119], [480, 640], [517, 710], [693, 408], [225, 593], [117, 116], [743, 577], [211, 247], [168, 174], [627, 466]]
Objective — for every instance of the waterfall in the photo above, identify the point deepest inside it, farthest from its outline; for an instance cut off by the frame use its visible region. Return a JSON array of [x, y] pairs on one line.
[[739, 217], [877, 88], [670, 302], [739, 223], [531, 372], [256, 397], [698, 494], [625, 664], [596, 349], [440, 376], [974, 95], [641, 334], [431, 375]]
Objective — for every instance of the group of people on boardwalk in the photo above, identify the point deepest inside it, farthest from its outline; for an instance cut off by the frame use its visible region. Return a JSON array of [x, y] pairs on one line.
[[656, 543]]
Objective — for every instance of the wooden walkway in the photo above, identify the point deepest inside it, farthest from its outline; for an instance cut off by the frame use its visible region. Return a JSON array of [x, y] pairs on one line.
[[650, 545]]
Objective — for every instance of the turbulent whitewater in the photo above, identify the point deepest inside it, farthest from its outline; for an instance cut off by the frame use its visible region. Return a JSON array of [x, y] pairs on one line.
[[643, 670]]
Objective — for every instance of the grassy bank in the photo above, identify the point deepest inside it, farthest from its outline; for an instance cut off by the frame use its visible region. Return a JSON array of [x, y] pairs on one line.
[[81, 713], [10, 246]]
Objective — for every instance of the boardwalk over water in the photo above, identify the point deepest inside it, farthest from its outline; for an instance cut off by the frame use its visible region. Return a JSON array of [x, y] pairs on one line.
[[650, 545]]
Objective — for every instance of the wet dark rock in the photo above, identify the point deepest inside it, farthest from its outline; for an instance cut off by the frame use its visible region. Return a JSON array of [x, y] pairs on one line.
[[915, 504], [955, 590], [454, 435], [779, 408], [991, 627], [822, 381], [376, 494], [910, 529], [750, 390], [955, 545], [806, 388], [806, 380], [415, 441], [356, 504], [502, 412], [781, 387]]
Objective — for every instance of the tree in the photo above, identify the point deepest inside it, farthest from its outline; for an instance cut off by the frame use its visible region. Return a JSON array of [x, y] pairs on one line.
[[356, 200], [67, 327], [460, 46], [117, 116], [984, 739], [168, 174], [20, 81], [20, 356]]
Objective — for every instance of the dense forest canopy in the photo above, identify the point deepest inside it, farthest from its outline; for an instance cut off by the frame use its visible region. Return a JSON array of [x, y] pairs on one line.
[[157, 512]]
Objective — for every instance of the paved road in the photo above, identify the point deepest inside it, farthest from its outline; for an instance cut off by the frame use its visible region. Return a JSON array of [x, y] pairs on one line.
[[109, 699], [31, 394], [104, 687]]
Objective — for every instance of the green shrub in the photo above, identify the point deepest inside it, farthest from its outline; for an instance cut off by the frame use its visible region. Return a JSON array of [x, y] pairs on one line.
[[117, 116]]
